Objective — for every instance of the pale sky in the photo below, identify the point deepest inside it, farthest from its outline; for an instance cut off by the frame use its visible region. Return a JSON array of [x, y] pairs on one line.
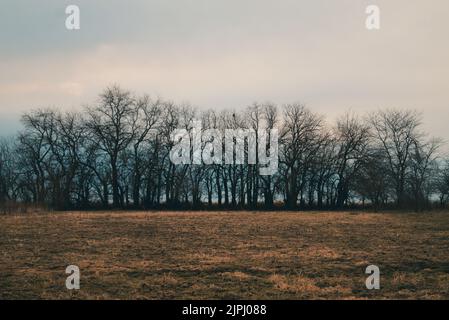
[[228, 54]]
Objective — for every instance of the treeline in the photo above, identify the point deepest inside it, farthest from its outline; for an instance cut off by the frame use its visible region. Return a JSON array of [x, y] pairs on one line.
[[116, 154]]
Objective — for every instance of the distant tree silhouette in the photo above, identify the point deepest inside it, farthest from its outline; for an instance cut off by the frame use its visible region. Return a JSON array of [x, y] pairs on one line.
[[120, 147]]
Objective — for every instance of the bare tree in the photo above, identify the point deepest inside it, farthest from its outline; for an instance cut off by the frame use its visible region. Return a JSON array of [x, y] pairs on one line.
[[300, 140], [396, 132], [8, 171], [270, 115], [121, 147], [442, 184], [423, 163], [352, 137], [112, 128], [147, 119]]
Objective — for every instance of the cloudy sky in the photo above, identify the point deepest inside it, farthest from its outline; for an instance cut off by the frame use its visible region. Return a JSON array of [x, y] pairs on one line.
[[228, 54]]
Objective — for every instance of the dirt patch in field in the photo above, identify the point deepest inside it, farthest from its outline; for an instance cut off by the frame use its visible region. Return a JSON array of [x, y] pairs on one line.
[[224, 255]]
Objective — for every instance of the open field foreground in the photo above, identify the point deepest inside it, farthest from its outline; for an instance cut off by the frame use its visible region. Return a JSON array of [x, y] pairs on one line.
[[224, 255]]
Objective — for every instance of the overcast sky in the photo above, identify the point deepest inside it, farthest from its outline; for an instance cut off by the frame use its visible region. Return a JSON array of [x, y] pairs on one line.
[[228, 54]]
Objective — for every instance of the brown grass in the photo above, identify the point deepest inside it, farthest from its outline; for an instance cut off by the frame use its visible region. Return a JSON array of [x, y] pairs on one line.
[[224, 255]]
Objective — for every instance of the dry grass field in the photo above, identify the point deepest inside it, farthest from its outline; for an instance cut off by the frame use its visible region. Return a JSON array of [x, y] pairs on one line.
[[224, 255]]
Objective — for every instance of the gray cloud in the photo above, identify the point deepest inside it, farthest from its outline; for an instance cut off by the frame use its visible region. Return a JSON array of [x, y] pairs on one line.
[[219, 53]]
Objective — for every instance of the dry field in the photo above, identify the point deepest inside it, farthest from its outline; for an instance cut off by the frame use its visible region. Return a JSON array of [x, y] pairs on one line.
[[224, 255]]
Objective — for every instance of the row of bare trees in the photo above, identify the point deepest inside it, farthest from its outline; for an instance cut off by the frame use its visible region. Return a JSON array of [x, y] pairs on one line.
[[116, 154]]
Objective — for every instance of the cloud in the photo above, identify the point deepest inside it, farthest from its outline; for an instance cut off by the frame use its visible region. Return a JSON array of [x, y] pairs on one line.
[[219, 54]]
